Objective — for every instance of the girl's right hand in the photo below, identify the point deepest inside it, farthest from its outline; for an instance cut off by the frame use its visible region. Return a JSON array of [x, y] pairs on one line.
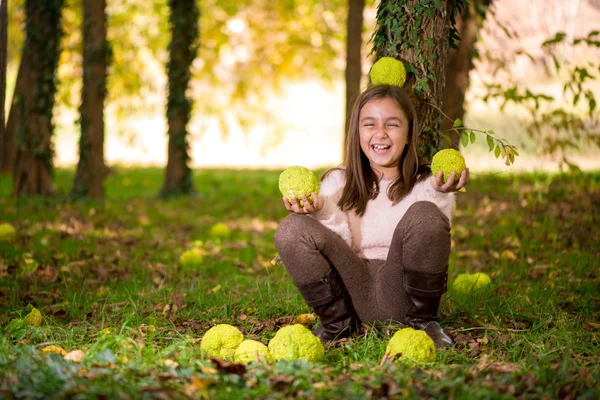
[[293, 205]]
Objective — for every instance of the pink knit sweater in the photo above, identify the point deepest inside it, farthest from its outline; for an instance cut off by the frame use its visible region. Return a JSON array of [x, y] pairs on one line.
[[370, 235]]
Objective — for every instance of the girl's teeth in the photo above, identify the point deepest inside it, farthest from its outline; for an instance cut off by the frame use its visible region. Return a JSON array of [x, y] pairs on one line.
[[380, 147]]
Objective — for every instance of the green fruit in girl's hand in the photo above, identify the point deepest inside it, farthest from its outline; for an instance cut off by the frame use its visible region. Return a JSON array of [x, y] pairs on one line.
[[252, 350], [411, 345], [297, 182], [7, 232], [296, 342], [467, 283], [388, 71], [221, 341], [448, 161]]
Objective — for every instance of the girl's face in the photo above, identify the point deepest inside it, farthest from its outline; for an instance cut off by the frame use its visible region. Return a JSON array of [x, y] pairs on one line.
[[383, 129]]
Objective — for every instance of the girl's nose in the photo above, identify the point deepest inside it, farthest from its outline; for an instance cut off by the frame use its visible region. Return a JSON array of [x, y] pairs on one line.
[[381, 132]]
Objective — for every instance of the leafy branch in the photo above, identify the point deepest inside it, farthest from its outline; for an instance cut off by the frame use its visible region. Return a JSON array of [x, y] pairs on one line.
[[556, 123], [499, 146]]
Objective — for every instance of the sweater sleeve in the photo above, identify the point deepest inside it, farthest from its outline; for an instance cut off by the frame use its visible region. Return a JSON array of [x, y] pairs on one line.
[[330, 214], [444, 201]]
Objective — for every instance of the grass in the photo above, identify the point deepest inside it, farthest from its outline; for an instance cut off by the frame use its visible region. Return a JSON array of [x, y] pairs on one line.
[[106, 277]]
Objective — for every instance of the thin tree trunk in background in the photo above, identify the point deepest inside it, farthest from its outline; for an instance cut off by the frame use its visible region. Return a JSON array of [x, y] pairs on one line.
[[182, 52], [34, 99], [353, 56], [3, 61], [91, 171], [460, 63], [9, 150]]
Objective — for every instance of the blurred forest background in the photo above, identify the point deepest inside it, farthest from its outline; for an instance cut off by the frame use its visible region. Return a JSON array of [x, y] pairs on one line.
[[268, 82]]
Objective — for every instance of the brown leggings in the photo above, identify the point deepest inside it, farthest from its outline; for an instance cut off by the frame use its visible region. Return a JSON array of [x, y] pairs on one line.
[[421, 242]]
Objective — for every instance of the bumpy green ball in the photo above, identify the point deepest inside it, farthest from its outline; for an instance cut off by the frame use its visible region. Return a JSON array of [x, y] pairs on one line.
[[298, 181], [7, 232], [296, 342], [448, 161], [220, 230], [411, 345], [388, 71], [252, 350], [467, 283], [191, 258], [221, 341]]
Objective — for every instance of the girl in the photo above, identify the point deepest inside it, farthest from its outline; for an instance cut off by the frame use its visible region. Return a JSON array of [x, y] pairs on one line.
[[374, 245]]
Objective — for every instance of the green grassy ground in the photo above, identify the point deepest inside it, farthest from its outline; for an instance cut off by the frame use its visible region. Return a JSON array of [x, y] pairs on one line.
[[106, 278]]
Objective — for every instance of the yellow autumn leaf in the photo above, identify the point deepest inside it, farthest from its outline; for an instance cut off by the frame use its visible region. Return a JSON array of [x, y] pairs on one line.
[[197, 388], [34, 318], [216, 289], [508, 255], [305, 319], [52, 349], [106, 331]]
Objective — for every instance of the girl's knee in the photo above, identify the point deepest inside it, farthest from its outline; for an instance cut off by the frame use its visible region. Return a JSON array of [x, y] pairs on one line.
[[288, 230], [426, 218]]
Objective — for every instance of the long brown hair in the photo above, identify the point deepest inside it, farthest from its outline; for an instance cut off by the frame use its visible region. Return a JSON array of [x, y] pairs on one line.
[[362, 183]]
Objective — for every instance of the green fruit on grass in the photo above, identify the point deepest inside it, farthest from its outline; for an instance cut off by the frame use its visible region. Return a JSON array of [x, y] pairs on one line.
[[252, 351], [467, 283], [221, 341], [411, 345], [296, 342]]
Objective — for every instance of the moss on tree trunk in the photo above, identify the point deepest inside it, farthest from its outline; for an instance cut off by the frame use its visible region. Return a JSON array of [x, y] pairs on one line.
[[91, 170], [182, 52], [34, 128], [417, 33]]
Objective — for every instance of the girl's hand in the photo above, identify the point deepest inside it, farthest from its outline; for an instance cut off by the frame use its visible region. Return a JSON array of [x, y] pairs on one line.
[[450, 186], [293, 205]]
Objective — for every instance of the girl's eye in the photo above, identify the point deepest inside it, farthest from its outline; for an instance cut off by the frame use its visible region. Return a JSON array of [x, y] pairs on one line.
[[394, 125]]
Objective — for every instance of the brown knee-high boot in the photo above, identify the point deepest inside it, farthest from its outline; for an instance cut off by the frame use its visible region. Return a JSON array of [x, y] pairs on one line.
[[331, 302], [424, 291]]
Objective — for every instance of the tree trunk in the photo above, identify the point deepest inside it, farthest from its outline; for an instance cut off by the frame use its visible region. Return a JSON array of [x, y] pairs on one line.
[[418, 35], [33, 163], [182, 52], [89, 179], [460, 63], [3, 61], [353, 56], [9, 149]]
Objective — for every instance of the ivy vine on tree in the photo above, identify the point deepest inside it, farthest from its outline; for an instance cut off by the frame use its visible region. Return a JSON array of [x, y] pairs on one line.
[[419, 33]]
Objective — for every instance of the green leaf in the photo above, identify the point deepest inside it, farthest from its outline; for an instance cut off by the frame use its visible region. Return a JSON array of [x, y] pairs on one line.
[[497, 151], [556, 39], [464, 137], [457, 123], [490, 142], [472, 137], [490, 132]]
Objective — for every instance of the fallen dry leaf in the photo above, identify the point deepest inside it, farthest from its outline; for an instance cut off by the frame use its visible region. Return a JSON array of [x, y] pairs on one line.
[[229, 367], [53, 349], [590, 326], [75, 356]]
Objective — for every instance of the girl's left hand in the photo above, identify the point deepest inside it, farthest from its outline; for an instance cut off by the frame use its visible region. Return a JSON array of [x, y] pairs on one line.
[[450, 186]]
